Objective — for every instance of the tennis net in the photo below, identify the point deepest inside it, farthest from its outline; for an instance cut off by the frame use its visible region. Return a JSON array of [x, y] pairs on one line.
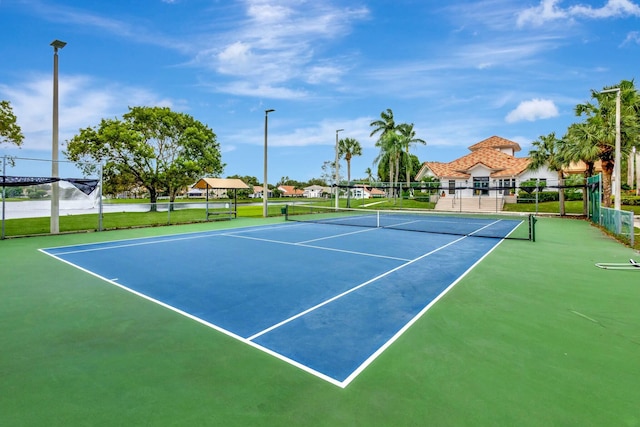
[[494, 225]]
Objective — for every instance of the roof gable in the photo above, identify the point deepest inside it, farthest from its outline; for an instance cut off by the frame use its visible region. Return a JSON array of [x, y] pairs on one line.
[[500, 164], [496, 142]]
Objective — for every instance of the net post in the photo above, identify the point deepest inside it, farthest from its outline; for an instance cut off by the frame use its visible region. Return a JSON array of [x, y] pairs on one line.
[[532, 227]]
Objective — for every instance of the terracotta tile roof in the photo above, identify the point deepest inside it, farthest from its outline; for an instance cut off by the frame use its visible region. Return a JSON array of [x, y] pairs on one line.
[[495, 142], [289, 190], [488, 154], [499, 163]]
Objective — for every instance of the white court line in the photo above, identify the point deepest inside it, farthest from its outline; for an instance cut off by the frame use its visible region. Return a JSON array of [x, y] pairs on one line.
[[114, 282], [158, 239], [348, 291], [482, 228], [397, 335], [317, 247], [366, 230]]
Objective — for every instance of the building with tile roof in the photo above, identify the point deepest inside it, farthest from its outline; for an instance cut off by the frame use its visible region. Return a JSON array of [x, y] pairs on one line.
[[490, 167], [290, 191]]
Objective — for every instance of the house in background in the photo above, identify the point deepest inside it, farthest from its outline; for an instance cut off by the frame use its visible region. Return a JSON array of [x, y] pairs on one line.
[[257, 192], [290, 191], [486, 171], [360, 191], [314, 191]]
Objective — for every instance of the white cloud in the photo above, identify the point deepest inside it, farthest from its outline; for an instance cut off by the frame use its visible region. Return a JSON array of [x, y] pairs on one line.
[[324, 74], [236, 59], [284, 134], [538, 15], [549, 10], [83, 102], [246, 88], [613, 8], [268, 12], [134, 31], [280, 42], [632, 38], [533, 110]]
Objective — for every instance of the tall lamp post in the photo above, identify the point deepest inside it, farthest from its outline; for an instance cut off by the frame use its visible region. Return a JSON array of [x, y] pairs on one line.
[[616, 165], [337, 168], [265, 189], [55, 193]]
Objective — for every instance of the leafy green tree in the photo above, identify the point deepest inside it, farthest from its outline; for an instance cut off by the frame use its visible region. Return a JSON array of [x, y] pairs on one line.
[[10, 131], [151, 147], [328, 172], [283, 181], [547, 151], [316, 181], [251, 181], [431, 185], [14, 191], [247, 179], [38, 192]]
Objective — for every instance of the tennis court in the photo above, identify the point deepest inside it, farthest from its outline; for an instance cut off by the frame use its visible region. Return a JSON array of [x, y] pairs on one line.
[[326, 298], [534, 334]]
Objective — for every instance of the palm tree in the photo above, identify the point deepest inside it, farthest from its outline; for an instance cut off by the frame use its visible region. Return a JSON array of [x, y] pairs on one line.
[[580, 146], [385, 125], [390, 149], [408, 139], [347, 148], [601, 117], [547, 152], [369, 173]]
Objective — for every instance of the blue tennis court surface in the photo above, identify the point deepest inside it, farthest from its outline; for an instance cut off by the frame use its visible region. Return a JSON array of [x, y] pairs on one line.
[[325, 298]]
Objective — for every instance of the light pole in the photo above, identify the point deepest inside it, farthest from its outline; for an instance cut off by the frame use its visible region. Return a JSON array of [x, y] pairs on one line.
[[337, 168], [616, 165], [55, 193], [265, 189]]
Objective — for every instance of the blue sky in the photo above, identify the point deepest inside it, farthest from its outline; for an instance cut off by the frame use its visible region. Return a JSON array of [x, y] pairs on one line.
[[460, 70]]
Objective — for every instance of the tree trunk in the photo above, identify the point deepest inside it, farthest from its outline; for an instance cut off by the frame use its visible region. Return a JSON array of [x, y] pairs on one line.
[[408, 166], [585, 195], [391, 188], [348, 158], [561, 192], [637, 173], [397, 177], [607, 172], [153, 199]]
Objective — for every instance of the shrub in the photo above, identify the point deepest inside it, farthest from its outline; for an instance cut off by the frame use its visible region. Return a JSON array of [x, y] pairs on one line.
[[630, 200]]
